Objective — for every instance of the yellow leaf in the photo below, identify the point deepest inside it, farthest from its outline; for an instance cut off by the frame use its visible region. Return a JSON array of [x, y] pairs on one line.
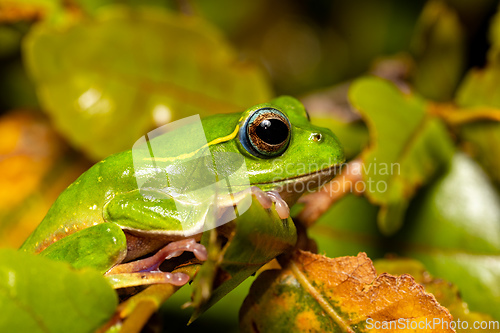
[[33, 172]]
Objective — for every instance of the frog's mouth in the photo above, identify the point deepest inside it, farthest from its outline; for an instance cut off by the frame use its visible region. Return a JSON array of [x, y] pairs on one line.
[[292, 188]]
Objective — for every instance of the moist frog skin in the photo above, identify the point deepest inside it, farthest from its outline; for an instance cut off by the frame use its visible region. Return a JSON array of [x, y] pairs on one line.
[[104, 221]]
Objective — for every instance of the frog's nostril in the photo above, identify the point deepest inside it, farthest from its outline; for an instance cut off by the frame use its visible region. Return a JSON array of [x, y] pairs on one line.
[[317, 137]]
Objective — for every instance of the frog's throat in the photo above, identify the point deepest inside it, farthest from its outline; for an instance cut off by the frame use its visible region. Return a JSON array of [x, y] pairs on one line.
[[292, 188]]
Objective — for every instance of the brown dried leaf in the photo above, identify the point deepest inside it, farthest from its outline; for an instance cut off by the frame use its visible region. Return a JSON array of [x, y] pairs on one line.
[[314, 293], [445, 292]]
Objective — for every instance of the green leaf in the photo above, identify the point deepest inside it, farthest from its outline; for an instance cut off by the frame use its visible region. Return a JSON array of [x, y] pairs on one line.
[[223, 315], [479, 87], [406, 147], [439, 49], [479, 91], [494, 33], [108, 80], [483, 143], [91, 7], [453, 229], [259, 236], [348, 228], [39, 295]]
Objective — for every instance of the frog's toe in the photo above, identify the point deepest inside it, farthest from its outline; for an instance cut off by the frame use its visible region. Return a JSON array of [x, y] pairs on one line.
[[262, 197], [266, 199], [176, 279], [280, 204], [175, 249]]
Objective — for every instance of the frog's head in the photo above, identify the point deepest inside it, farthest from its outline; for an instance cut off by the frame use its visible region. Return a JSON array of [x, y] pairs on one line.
[[282, 150]]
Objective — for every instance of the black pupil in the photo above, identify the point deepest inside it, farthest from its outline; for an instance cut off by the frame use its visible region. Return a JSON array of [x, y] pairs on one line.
[[272, 131]]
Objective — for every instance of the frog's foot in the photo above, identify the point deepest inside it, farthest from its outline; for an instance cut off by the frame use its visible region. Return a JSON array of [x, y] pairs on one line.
[[146, 271], [266, 199]]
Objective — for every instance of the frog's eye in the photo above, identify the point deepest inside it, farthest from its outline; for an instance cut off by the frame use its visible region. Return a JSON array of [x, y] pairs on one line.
[[266, 133]]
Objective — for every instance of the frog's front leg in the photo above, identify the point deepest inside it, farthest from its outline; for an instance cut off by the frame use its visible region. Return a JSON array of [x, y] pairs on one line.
[[104, 247], [146, 271], [99, 247]]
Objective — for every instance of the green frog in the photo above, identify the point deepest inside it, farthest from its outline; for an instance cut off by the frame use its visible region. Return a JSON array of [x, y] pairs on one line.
[[108, 221]]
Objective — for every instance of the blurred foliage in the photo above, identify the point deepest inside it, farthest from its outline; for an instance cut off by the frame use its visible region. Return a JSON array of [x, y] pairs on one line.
[[397, 162], [36, 167], [158, 67], [438, 47], [463, 205], [82, 79]]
